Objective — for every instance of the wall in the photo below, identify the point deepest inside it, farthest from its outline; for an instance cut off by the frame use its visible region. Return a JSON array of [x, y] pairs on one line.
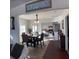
[[46, 25], [15, 33], [60, 4], [25, 23], [16, 12]]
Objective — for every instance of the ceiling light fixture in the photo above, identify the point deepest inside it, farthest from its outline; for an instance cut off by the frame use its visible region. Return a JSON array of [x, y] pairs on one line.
[[36, 21]]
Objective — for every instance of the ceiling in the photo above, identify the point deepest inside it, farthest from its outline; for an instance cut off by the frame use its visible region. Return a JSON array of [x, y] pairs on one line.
[[45, 15]]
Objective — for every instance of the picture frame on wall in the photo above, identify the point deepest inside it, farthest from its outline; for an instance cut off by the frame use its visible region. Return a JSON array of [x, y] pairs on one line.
[[12, 23], [38, 5]]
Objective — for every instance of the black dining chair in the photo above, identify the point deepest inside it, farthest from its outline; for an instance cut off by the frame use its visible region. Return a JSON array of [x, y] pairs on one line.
[[35, 41], [41, 39], [30, 41], [26, 39]]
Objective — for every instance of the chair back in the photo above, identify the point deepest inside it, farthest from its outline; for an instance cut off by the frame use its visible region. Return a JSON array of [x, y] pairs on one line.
[[24, 37], [42, 36]]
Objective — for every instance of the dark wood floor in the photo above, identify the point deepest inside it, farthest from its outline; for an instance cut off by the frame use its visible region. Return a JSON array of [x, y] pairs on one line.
[[54, 52]]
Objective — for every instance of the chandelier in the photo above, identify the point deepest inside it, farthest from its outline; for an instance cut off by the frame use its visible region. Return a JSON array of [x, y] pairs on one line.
[[36, 21]]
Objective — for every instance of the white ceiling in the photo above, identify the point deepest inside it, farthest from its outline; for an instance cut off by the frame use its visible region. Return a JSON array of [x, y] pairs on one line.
[[45, 15]]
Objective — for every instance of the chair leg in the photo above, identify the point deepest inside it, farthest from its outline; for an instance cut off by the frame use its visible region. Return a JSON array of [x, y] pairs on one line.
[[43, 42], [31, 44], [27, 44], [34, 44]]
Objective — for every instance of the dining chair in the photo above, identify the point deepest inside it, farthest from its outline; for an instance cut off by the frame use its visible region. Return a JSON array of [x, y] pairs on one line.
[[41, 39], [27, 39], [35, 41]]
